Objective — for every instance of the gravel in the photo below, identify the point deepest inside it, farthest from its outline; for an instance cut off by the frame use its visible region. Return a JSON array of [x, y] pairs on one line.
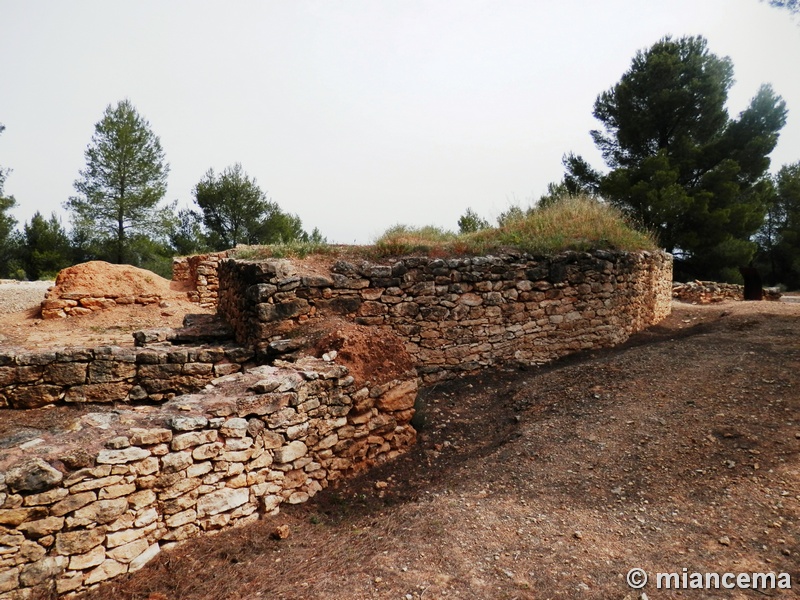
[[16, 296]]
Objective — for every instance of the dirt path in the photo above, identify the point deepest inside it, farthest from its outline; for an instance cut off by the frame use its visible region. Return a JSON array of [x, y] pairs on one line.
[[678, 450]]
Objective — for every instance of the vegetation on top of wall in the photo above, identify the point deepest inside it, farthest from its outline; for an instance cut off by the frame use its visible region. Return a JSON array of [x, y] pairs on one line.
[[572, 223], [293, 249]]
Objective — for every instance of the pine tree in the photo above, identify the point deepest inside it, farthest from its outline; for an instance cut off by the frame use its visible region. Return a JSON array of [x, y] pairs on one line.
[[124, 180]]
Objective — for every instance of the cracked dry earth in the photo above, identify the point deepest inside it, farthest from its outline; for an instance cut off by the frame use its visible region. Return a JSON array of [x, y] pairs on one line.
[[677, 450]]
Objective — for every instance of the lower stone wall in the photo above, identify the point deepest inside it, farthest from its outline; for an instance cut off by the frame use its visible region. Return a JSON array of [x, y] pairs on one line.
[[112, 373], [115, 488], [710, 292], [462, 314], [199, 272]]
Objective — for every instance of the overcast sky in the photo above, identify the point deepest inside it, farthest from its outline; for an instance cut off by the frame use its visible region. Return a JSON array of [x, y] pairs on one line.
[[355, 115]]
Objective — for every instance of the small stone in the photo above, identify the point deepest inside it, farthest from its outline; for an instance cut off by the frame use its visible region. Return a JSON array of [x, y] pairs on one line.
[[108, 569], [187, 423], [141, 560], [380, 485], [118, 457], [725, 540], [290, 452], [94, 557], [577, 535], [281, 532], [34, 475], [118, 443]]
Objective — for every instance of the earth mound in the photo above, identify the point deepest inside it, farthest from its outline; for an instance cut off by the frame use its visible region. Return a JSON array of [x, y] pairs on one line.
[[98, 285], [369, 357], [98, 278]]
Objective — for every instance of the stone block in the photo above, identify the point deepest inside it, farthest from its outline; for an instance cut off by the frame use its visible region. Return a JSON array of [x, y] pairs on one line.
[[221, 501], [79, 541], [33, 396], [34, 475], [140, 436], [118, 457]]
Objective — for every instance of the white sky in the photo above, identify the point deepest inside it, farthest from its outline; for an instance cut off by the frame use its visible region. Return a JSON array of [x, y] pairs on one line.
[[355, 115]]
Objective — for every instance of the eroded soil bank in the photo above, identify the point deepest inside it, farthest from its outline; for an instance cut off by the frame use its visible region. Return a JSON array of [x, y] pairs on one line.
[[678, 449]]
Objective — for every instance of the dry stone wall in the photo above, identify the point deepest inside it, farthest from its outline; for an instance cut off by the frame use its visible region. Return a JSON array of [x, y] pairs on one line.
[[115, 488], [74, 304], [460, 314], [112, 373], [710, 292], [199, 272]]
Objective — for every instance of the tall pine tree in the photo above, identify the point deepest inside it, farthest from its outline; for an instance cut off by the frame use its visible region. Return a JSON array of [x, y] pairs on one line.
[[120, 189], [679, 165]]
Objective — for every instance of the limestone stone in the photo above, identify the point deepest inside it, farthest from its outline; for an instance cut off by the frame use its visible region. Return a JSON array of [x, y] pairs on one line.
[[193, 438], [145, 517], [94, 484], [119, 538], [69, 583], [108, 569], [116, 491], [272, 440], [141, 499], [42, 570], [15, 516], [148, 466], [181, 518], [33, 396], [102, 511], [141, 560], [42, 527], [176, 461], [400, 397], [221, 501], [34, 475], [207, 451], [79, 541], [235, 427], [292, 451], [48, 497], [9, 579], [128, 552], [140, 436], [188, 423], [79, 562]]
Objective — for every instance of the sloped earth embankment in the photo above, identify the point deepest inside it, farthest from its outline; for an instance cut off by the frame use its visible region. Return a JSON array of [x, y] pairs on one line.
[[678, 450]]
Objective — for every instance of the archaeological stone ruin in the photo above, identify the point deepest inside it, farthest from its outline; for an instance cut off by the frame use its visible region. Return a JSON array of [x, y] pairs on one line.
[[195, 434]]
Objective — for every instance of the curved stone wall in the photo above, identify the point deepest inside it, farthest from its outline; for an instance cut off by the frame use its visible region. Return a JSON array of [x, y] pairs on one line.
[[462, 314]]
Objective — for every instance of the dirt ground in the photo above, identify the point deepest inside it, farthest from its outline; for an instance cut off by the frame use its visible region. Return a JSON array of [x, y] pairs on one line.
[[22, 327], [678, 450]]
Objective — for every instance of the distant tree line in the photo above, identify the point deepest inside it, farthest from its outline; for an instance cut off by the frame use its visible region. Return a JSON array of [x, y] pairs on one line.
[[118, 213]]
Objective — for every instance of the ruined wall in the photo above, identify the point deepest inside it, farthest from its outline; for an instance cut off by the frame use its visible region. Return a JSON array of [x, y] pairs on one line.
[[710, 292], [111, 373], [113, 489], [460, 314], [199, 272]]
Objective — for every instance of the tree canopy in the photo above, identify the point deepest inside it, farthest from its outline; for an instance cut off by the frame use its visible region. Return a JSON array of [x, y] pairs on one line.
[[236, 211], [120, 189], [45, 248], [779, 236], [679, 165], [7, 223]]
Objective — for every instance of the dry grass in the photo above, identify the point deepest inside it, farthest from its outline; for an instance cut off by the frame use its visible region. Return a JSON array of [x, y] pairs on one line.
[[578, 223]]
